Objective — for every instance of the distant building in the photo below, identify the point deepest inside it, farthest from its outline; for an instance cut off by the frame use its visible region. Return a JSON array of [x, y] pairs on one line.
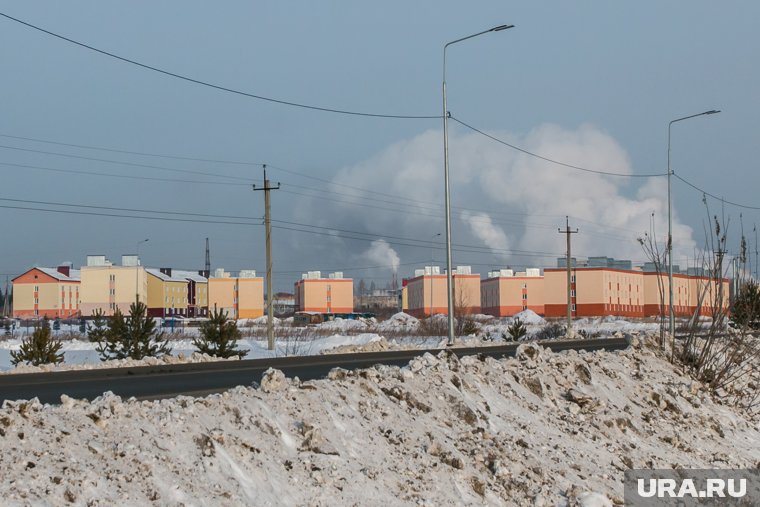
[[197, 292], [107, 287], [241, 297], [505, 293], [603, 291], [333, 294], [284, 303], [167, 293], [426, 292], [47, 292]]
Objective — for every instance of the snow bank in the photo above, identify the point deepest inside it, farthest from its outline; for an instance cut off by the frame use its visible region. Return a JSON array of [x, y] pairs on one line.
[[545, 429], [399, 322], [530, 317]]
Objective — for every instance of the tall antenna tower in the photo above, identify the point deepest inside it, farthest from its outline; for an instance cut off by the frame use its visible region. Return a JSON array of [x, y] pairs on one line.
[[208, 259]]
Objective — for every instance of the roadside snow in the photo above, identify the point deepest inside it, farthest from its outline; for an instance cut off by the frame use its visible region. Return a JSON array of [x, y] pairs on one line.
[[539, 429]]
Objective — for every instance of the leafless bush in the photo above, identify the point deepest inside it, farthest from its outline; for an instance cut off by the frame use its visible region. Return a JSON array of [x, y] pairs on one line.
[[726, 360], [659, 258]]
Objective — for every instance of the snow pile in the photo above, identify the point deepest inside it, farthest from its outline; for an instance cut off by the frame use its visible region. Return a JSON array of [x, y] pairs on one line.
[[260, 321], [399, 322], [529, 317], [540, 429], [347, 325]]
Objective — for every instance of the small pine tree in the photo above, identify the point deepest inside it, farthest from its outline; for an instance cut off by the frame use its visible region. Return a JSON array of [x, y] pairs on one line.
[[39, 348], [517, 330], [219, 336], [96, 332], [57, 324], [133, 338]]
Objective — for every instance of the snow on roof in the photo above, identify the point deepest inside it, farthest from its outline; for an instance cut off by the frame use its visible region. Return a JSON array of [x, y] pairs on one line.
[[164, 277], [73, 274], [190, 275]]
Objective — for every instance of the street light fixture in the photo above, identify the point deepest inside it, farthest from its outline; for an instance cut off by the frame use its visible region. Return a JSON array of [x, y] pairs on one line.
[[449, 288], [669, 249], [137, 270]]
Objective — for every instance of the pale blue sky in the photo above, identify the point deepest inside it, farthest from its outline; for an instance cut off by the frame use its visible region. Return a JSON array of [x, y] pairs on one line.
[[624, 68]]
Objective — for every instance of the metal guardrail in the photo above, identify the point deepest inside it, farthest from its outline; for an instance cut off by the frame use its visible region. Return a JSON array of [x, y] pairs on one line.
[[163, 381]]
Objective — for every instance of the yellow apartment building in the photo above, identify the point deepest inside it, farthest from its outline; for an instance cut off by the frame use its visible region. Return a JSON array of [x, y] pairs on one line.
[[47, 292], [333, 294], [197, 292], [426, 292], [108, 287], [241, 297], [505, 293], [167, 293]]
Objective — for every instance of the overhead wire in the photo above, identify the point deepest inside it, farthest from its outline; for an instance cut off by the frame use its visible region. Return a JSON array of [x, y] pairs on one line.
[[721, 199], [216, 86], [121, 162], [201, 218], [368, 193], [552, 161]]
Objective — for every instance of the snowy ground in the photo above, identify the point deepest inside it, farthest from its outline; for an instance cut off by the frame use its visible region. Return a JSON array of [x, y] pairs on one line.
[[400, 331], [539, 429]]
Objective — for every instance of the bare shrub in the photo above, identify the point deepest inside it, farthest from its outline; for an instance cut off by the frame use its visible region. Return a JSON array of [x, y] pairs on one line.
[[551, 331]]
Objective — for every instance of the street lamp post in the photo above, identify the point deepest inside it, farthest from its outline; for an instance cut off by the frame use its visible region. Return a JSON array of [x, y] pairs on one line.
[[449, 288], [671, 315], [137, 270], [432, 261]]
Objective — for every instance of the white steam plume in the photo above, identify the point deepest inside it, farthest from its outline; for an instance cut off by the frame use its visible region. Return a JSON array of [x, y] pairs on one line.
[[483, 228], [381, 253], [512, 200]]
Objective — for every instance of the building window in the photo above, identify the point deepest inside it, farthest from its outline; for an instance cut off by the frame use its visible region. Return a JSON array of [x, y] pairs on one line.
[[572, 293], [572, 307], [572, 278], [525, 296]]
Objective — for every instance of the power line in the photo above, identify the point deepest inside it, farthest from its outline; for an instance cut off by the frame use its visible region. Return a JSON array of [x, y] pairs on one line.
[[131, 164], [416, 203], [123, 176], [721, 199], [215, 86], [557, 162], [330, 231]]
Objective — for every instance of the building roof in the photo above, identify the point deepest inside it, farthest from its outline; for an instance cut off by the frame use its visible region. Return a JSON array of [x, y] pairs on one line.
[[164, 277], [189, 275], [74, 275]]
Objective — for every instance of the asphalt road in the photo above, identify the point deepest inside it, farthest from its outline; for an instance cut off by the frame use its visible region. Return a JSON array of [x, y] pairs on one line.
[[151, 382]]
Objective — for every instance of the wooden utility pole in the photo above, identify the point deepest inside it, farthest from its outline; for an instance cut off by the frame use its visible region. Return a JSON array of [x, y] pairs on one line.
[[568, 232], [6, 300], [268, 240]]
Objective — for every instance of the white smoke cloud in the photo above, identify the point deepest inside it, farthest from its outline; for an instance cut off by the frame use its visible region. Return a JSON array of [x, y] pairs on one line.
[[504, 199], [380, 252], [491, 235]]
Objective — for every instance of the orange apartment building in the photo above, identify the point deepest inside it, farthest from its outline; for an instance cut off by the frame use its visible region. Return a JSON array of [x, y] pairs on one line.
[[426, 292], [241, 297], [333, 294], [601, 291], [688, 290], [505, 293], [47, 292]]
